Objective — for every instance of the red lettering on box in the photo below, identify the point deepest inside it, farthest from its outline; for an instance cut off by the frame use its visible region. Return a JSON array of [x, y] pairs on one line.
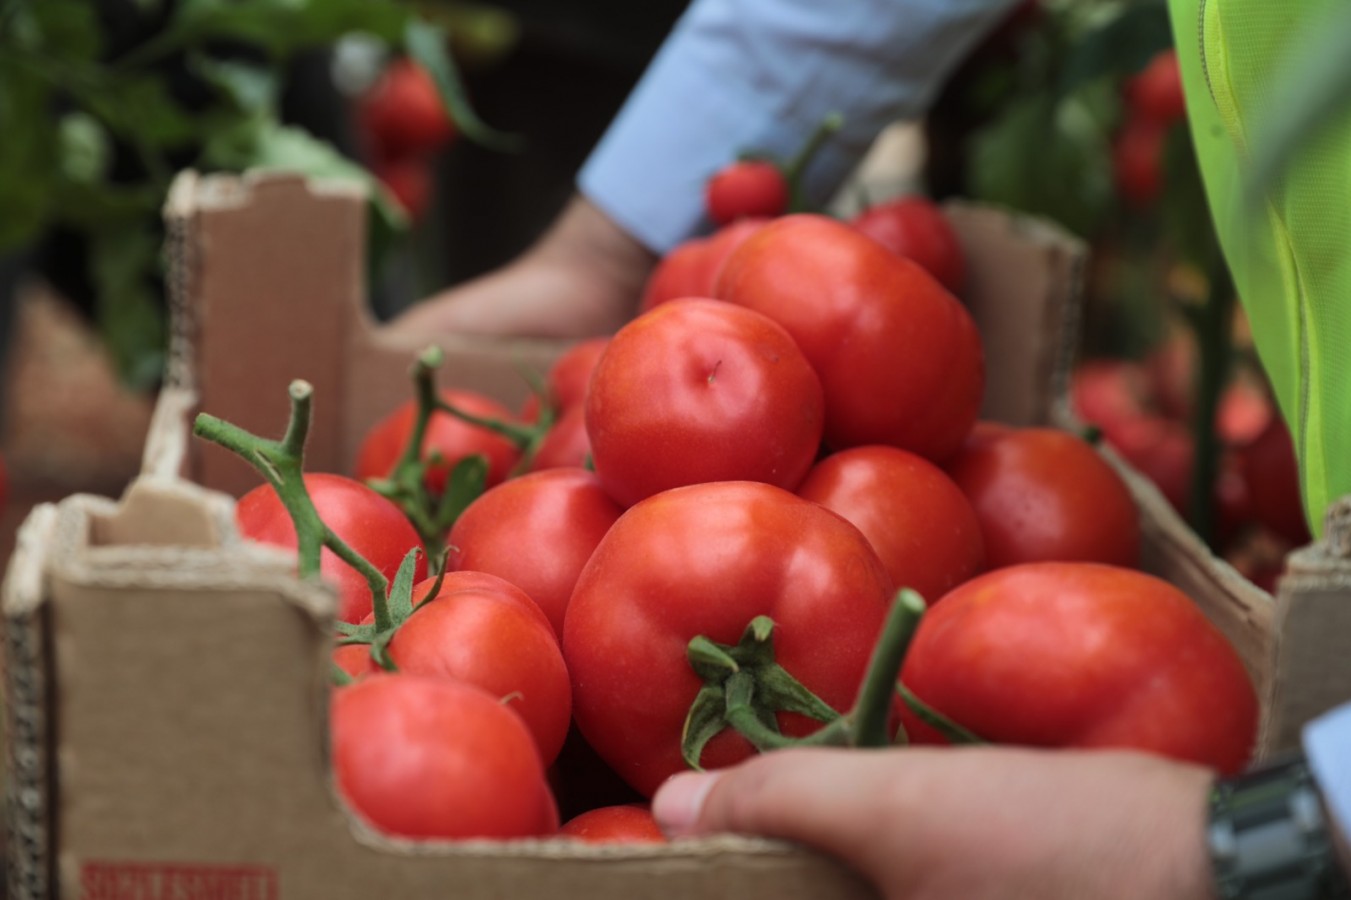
[[108, 880]]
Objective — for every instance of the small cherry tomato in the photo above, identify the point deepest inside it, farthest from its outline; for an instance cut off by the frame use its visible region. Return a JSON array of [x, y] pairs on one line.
[[747, 189]]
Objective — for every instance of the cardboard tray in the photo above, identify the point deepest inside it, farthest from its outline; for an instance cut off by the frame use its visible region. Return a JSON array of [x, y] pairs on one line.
[[167, 682]]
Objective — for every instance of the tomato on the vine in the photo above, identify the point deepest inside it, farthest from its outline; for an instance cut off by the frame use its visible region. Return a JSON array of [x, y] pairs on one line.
[[1082, 655], [403, 115], [1137, 161], [368, 523], [701, 391], [536, 531], [1155, 93], [433, 758], [1043, 494], [914, 227], [919, 522], [451, 438], [705, 560], [567, 378], [899, 357], [565, 445], [747, 189]]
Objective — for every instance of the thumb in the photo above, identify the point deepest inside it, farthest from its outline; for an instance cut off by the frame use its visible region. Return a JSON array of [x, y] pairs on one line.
[[834, 800]]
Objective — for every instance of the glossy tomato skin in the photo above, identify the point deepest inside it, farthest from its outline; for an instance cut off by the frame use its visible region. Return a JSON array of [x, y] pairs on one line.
[[433, 758], [628, 823], [1083, 655], [919, 522], [701, 391], [568, 377], [455, 439], [403, 114], [914, 227], [746, 189], [365, 521], [536, 531], [707, 559], [1046, 495], [692, 269], [899, 358], [496, 641]]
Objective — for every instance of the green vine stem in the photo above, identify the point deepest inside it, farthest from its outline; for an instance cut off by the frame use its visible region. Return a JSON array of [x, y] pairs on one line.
[[744, 689], [281, 463], [795, 167]]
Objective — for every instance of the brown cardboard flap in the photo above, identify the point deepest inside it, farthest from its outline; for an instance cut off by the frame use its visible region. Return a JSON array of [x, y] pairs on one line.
[[1024, 278], [191, 737]]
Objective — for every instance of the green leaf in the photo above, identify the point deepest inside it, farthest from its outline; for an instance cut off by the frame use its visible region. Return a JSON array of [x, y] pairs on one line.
[[28, 155], [84, 148], [249, 89], [426, 44], [1183, 209], [124, 263], [1306, 97], [69, 29], [1121, 43]]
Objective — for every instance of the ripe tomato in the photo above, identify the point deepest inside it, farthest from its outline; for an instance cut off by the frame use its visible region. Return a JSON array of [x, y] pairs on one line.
[[705, 560], [409, 179], [1043, 495], [566, 445], [535, 531], [568, 377], [919, 521], [628, 823], [746, 189], [899, 357], [914, 227], [1083, 655], [1271, 471], [1137, 162], [403, 115], [452, 438], [432, 758], [1156, 92], [497, 640], [1109, 393], [701, 391], [368, 523], [692, 269]]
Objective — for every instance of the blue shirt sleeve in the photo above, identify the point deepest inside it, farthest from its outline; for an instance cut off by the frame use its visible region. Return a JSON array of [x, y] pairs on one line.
[[737, 75], [1327, 745]]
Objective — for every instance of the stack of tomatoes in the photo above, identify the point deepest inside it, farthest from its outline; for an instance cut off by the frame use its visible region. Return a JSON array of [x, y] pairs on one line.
[[794, 436]]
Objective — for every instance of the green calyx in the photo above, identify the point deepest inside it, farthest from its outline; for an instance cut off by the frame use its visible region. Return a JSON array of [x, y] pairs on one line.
[[745, 688]]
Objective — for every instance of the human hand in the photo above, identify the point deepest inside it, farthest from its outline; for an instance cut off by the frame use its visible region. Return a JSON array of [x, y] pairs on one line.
[[581, 279], [969, 822]]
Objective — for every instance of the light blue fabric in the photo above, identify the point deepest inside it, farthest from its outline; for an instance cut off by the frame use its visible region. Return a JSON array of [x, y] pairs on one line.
[[1327, 744], [738, 75]]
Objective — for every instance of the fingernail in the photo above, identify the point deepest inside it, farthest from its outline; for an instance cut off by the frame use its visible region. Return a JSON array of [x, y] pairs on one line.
[[678, 802]]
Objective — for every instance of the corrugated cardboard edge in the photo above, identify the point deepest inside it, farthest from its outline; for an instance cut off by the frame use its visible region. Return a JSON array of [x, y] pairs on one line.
[[1311, 663]]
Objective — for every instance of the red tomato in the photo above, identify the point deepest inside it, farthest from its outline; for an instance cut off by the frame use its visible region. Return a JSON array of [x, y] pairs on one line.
[[629, 823], [566, 445], [409, 179], [368, 523], [701, 391], [706, 560], [452, 438], [568, 377], [431, 758], [692, 269], [535, 531], [1244, 412], [919, 521], [1270, 469], [899, 357], [1156, 92], [1083, 655], [496, 640], [1163, 451], [1137, 162], [403, 114], [1108, 393], [914, 227], [746, 189], [1043, 495]]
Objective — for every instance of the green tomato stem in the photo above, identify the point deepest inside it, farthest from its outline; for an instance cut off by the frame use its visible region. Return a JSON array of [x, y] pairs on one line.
[[873, 708]]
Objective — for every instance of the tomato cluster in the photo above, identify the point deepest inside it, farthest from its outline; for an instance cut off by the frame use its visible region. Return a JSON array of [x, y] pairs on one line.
[[757, 465]]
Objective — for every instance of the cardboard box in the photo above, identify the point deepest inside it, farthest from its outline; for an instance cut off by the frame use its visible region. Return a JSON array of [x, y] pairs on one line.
[[167, 682]]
